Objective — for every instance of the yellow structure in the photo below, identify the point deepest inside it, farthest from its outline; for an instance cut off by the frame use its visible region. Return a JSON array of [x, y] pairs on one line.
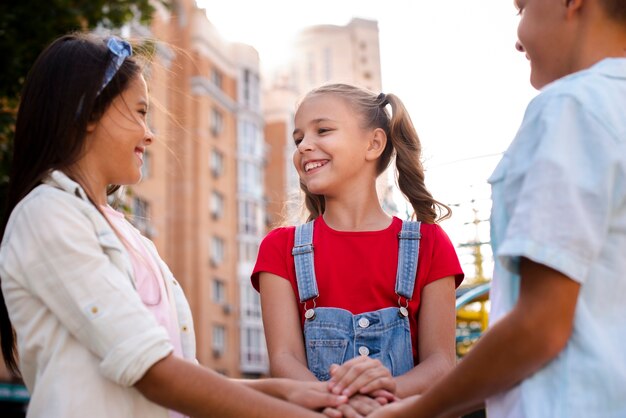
[[472, 311]]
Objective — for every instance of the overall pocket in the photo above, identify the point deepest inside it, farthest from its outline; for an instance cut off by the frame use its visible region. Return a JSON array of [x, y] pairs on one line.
[[321, 354], [400, 349]]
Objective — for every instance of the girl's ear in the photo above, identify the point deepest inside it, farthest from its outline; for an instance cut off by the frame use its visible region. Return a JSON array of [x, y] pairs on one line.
[[91, 126], [376, 144]]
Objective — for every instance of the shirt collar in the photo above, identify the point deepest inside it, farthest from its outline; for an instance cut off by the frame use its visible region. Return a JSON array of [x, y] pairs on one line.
[[611, 67], [60, 180]]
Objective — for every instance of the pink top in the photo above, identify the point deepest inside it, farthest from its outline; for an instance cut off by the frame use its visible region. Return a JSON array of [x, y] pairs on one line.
[[148, 280]]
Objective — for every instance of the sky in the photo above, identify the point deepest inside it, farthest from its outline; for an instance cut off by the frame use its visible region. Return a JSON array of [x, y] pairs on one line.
[[454, 65]]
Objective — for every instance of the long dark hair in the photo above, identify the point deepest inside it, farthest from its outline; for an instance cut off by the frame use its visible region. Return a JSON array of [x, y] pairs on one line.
[[403, 143], [59, 99]]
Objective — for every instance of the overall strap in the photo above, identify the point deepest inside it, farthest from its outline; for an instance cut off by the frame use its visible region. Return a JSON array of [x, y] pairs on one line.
[[407, 258], [303, 257]]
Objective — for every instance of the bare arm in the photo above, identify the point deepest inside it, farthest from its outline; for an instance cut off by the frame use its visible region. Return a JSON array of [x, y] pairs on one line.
[[436, 336], [199, 392], [522, 342], [283, 332], [311, 395]]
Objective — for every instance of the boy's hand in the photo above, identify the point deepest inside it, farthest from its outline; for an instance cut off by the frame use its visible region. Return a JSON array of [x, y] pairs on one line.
[[389, 411], [362, 375]]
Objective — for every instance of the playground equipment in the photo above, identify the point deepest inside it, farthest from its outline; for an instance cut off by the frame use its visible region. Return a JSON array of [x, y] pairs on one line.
[[472, 315]]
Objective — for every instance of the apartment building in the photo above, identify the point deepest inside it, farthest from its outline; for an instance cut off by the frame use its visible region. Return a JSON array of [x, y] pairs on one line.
[[201, 200]]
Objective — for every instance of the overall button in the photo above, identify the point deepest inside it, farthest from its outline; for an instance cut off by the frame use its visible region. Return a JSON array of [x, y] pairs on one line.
[[364, 322], [364, 351]]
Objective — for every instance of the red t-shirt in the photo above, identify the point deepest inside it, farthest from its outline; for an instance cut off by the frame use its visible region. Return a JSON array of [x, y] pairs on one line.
[[356, 271]]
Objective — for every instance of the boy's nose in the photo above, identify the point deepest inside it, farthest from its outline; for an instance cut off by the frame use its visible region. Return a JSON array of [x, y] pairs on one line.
[[149, 136]]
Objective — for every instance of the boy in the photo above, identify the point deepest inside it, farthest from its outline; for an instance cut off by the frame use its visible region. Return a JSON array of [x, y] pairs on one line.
[[559, 233]]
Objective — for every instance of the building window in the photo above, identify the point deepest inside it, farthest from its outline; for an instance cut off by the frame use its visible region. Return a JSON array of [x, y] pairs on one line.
[[248, 220], [254, 346], [250, 139], [251, 303], [217, 122], [217, 163], [219, 340], [250, 177], [217, 78], [217, 205], [218, 291], [217, 251]]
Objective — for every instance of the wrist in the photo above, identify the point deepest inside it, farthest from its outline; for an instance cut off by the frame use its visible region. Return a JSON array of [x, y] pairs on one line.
[[281, 388]]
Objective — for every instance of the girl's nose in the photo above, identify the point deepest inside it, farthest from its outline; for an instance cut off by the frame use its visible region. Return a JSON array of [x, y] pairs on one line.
[[305, 145], [519, 46]]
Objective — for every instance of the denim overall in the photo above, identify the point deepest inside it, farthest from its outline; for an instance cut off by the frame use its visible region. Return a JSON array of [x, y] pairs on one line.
[[334, 335]]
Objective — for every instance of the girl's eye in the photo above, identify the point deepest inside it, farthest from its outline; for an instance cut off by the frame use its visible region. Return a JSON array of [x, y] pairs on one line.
[[323, 130], [143, 112], [297, 141]]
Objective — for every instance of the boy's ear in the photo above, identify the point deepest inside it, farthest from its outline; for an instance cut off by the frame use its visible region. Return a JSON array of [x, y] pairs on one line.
[[376, 144]]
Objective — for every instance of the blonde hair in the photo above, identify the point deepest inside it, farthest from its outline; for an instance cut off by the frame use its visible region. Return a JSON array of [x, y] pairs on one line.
[[403, 144]]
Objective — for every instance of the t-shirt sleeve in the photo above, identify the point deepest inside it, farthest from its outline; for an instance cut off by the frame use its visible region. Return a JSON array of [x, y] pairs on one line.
[[273, 256], [444, 261], [562, 210]]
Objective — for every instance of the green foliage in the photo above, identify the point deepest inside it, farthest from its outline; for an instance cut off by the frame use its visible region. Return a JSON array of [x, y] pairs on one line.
[[27, 26]]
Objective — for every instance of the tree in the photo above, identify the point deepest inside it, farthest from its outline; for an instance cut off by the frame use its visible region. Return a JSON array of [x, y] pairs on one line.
[[27, 26]]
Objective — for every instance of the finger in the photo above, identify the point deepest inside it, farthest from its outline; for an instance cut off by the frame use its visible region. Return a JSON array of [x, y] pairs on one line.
[[317, 400], [382, 393], [333, 369], [350, 371], [337, 372], [382, 401], [384, 382], [371, 379], [349, 412], [332, 413], [363, 404]]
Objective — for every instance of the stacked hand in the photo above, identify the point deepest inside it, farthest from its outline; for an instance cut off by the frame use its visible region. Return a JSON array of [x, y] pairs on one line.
[[366, 383]]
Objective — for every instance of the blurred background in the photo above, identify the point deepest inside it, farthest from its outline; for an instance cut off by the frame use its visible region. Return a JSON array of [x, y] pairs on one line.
[[225, 76]]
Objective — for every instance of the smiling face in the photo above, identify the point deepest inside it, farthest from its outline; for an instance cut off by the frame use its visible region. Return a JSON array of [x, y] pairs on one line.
[[115, 144], [331, 147], [545, 36]]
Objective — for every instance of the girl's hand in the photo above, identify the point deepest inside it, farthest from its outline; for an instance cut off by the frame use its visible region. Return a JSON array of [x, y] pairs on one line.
[[362, 375], [358, 406], [312, 395]]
